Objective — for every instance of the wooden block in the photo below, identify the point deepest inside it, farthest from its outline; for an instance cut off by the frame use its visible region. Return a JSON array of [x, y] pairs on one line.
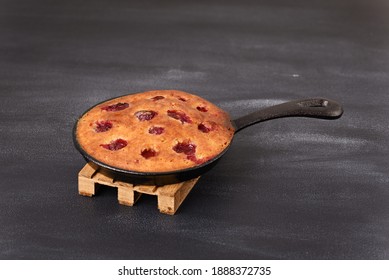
[[170, 197], [126, 195], [86, 186]]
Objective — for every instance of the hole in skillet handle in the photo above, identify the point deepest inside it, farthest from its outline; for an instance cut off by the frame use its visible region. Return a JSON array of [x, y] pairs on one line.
[[320, 108], [314, 103]]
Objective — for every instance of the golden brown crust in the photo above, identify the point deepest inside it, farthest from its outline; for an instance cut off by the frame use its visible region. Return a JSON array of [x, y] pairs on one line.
[[193, 131]]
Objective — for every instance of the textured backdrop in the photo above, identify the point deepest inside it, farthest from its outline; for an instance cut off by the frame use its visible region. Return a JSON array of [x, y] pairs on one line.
[[287, 189]]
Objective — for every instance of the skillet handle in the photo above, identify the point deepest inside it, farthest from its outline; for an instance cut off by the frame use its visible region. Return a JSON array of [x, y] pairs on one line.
[[320, 108]]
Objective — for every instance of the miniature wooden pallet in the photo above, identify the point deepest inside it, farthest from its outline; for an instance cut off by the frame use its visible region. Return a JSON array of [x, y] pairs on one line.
[[170, 197]]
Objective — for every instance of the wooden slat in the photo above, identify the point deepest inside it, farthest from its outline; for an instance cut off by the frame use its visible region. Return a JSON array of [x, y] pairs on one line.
[[151, 190], [88, 170], [102, 178], [171, 190]]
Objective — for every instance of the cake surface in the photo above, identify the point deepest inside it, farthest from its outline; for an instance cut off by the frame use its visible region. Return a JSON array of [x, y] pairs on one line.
[[154, 131]]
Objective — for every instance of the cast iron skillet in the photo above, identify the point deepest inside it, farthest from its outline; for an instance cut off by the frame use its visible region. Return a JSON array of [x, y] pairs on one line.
[[320, 108]]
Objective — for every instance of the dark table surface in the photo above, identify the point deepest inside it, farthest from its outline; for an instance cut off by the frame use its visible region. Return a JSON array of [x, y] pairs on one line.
[[294, 188]]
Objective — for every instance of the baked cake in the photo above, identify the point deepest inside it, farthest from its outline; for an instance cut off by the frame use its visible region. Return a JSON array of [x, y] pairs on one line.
[[154, 131]]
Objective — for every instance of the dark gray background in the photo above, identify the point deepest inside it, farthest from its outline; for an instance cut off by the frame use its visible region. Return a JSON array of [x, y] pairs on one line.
[[287, 189]]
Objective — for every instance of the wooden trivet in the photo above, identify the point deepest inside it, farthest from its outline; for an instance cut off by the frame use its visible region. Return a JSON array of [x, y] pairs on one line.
[[170, 197]]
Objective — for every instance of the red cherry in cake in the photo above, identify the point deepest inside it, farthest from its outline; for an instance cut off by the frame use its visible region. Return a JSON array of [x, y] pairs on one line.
[[158, 97], [145, 115], [156, 130], [115, 145], [202, 109], [204, 128], [103, 126], [148, 153], [194, 159], [189, 149], [116, 107], [178, 115], [185, 147]]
